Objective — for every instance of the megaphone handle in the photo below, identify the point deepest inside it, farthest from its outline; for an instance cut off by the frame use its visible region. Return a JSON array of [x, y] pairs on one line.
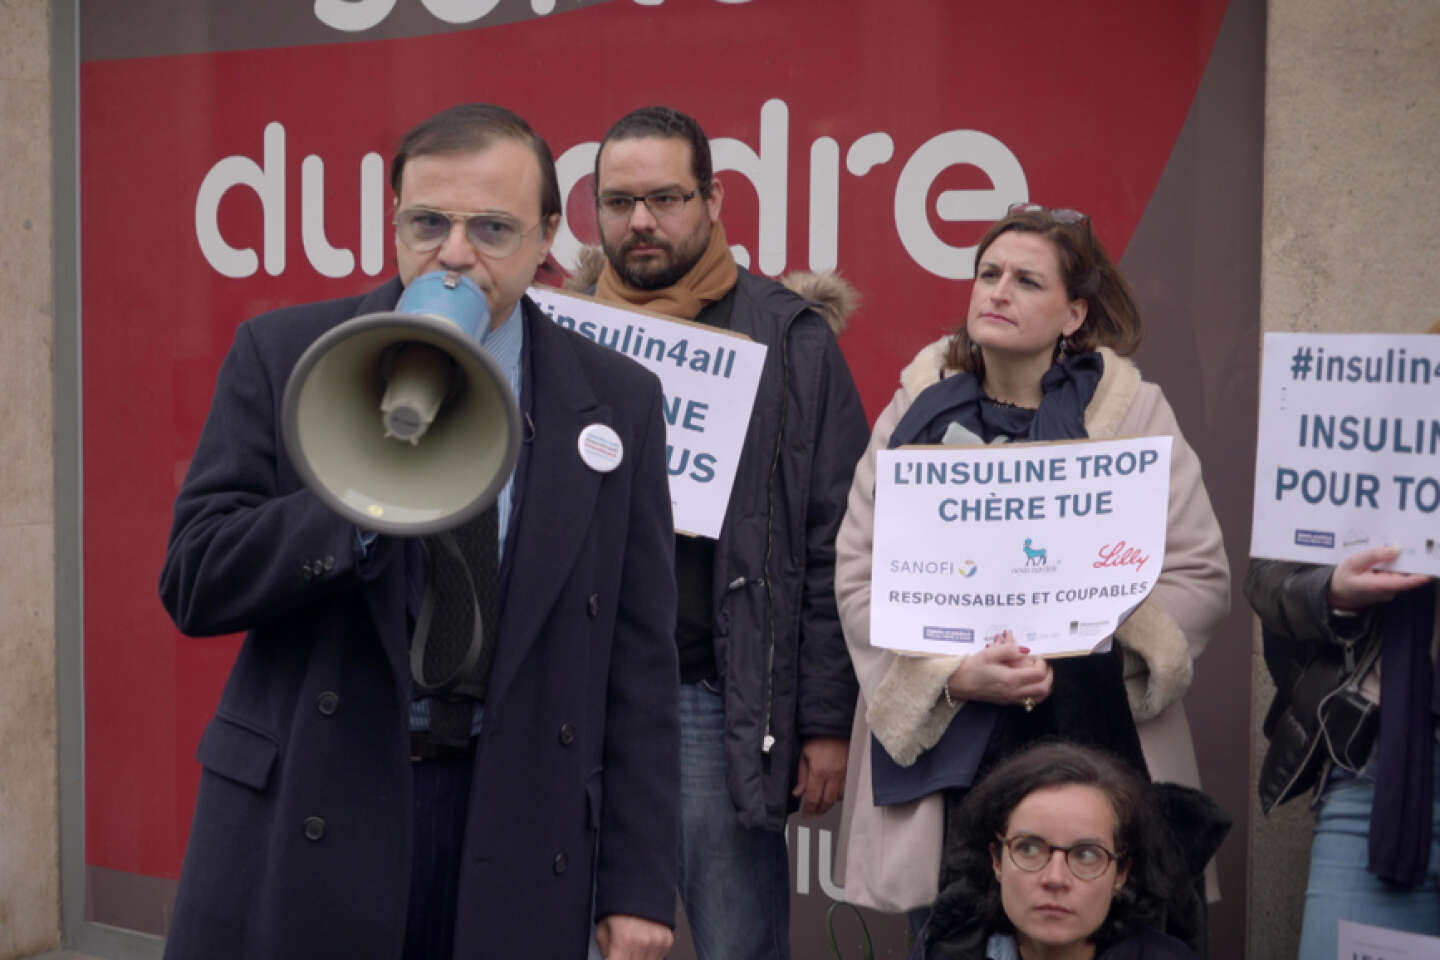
[[427, 616]]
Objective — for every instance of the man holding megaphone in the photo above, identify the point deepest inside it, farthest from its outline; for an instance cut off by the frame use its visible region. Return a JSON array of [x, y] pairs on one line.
[[451, 730]]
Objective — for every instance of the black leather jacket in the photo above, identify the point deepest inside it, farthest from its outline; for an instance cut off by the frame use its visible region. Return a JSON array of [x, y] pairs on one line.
[[1309, 653]]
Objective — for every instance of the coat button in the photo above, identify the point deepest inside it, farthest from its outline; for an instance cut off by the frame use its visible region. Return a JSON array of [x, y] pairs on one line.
[[314, 828], [561, 862], [593, 605], [327, 703], [306, 571], [329, 563], [567, 733]]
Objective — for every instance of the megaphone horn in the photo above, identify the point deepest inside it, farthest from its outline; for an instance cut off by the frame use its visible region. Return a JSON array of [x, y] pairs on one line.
[[399, 421]]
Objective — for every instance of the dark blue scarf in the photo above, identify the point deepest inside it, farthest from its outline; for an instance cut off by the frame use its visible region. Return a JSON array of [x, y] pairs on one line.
[[1400, 821]]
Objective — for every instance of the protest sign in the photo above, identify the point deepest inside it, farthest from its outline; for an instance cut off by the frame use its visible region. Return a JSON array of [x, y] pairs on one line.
[[709, 377], [1361, 941], [1349, 448], [1055, 542]]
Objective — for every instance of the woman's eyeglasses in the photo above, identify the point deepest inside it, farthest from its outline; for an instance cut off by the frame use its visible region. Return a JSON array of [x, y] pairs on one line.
[[1086, 860]]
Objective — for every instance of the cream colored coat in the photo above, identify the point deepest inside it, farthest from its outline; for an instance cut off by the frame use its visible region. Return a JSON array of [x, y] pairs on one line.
[[890, 856]]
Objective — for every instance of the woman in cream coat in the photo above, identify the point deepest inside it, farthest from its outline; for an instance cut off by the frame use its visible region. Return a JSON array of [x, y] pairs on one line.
[[1043, 287]]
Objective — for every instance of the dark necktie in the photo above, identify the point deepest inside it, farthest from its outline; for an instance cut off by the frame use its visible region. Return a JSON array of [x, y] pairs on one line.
[[451, 661]]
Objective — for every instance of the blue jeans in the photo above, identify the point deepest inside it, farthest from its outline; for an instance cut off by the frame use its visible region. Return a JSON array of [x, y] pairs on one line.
[[1340, 888], [734, 881]]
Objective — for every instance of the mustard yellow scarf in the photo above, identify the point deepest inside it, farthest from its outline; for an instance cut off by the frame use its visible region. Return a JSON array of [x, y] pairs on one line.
[[709, 280]]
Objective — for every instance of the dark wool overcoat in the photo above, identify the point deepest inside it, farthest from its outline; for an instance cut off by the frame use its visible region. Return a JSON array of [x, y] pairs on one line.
[[301, 842]]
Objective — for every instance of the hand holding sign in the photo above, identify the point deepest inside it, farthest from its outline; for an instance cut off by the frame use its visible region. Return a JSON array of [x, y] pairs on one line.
[[1358, 582], [1002, 672]]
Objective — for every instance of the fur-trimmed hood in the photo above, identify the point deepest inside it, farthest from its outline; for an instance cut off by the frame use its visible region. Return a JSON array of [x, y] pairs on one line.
[[833, 297]]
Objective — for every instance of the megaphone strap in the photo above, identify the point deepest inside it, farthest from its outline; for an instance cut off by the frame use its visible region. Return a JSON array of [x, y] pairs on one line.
[[464, 669]]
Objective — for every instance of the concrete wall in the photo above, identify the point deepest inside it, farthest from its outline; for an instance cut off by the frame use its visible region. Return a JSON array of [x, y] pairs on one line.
[[29, 863], [1351, 242]]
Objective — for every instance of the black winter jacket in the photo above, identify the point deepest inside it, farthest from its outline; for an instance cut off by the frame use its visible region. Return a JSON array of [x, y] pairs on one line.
[[1307, 658], [779, 649], [778, 644]]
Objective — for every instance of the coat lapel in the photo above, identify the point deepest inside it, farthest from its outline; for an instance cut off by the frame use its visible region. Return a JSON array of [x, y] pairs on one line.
[[559, 494]]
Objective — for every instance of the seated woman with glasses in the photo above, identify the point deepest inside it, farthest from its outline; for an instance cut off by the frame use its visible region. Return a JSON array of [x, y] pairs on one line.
[[1040, 357], [1061, 855]]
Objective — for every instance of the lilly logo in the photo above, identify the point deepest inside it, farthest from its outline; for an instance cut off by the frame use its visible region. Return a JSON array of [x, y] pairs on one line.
[[967, 569], [1033, 557]]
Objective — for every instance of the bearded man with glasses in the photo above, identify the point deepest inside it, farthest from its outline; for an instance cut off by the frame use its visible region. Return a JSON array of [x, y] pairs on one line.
[[767, 691], [340, 814]]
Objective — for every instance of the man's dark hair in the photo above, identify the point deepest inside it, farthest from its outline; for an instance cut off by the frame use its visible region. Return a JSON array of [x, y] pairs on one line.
[[469, 127], [664, 122]]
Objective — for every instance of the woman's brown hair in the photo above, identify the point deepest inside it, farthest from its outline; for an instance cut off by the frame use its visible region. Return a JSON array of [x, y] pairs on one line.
[[1111, 318]]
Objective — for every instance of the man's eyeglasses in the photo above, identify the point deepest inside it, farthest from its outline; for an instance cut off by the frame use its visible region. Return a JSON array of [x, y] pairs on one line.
[[662, 204], [1060, 216], [1085, 860], [424, 230]]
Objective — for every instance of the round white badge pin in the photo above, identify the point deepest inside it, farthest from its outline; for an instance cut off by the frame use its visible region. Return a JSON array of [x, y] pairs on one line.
[[600, 448]]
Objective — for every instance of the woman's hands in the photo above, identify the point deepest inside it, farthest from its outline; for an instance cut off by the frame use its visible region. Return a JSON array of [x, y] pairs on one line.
[[1003, 672], [1355, 583]]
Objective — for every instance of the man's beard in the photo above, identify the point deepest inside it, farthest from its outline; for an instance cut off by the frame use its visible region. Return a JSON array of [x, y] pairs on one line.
[[648, 275]]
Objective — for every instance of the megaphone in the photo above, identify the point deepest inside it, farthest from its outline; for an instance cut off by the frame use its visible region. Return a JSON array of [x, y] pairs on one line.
[[399, 421]]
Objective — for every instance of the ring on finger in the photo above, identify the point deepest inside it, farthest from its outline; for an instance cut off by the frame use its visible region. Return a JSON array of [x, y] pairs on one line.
[[1028, 703]]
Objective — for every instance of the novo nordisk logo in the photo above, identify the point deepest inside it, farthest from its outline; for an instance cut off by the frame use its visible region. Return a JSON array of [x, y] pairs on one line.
[[1037, 560]]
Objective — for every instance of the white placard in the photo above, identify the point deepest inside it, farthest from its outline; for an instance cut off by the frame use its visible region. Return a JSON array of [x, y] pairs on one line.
[[1348, 448], [1055, 542], [1360, 941], [709, 376]]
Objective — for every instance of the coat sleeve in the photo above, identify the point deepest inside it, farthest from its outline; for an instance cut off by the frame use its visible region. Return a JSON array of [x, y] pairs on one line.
[[639, 832], [1291, 598], [906, 709], [1292, 601], [827, 681], [248, 544], [1192, 591]]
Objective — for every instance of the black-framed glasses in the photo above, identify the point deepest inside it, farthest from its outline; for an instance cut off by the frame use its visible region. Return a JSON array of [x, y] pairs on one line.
[[423, 230], [662, 204], [1061, 215], [1086, 860]]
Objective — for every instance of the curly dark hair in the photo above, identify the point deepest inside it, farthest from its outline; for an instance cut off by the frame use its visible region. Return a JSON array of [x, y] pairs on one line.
[[1111, 318], [969, 910]]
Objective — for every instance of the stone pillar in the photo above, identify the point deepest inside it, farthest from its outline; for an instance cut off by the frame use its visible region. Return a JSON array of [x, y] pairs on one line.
[[1351, 236], [29, 859]]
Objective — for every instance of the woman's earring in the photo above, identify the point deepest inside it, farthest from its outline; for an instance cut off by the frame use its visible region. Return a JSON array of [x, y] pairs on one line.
[[1060, 348]]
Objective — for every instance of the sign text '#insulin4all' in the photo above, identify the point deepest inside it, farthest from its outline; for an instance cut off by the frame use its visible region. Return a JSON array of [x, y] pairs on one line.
[[634, 342]]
